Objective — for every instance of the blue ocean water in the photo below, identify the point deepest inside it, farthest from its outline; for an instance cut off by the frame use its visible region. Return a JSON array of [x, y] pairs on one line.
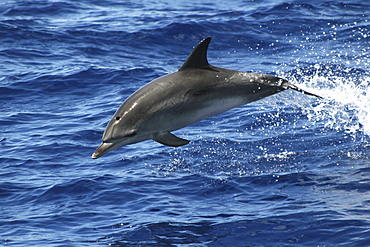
[[289, 170]]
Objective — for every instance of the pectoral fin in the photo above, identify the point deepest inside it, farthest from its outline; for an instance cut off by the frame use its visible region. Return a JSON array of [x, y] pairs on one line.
[[168, 139]]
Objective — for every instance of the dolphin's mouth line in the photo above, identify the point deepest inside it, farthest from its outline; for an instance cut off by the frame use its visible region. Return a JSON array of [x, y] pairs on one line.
[[104, 148], [115, 143]]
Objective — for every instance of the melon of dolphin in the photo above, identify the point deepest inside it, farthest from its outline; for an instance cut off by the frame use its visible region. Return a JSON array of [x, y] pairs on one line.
[[196, 91]]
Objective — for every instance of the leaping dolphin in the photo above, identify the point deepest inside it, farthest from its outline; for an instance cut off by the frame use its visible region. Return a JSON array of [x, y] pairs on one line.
[[196, 91]]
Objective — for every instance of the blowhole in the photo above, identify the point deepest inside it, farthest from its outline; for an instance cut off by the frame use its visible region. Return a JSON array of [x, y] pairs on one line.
[[118, 118]]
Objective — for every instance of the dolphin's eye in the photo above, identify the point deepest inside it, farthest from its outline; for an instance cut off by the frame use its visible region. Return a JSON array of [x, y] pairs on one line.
[[118, 118]]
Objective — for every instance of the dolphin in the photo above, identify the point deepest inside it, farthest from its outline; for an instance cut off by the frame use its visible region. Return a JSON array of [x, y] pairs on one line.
[[195, 92]]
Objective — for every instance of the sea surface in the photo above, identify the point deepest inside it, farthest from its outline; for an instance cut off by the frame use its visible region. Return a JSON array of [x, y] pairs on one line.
[[288, 170]]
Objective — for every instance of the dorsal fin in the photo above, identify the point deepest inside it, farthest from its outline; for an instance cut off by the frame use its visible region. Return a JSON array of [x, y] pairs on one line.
[[198, 57]]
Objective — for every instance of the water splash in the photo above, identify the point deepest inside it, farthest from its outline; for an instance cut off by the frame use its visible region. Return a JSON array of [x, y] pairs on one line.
[[346, 92]]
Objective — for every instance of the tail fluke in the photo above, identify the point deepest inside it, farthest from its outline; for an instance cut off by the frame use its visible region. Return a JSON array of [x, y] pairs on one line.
[[287, 85]]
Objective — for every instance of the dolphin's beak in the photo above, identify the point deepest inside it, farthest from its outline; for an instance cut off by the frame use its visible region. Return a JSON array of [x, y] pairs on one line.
[[104, 148], [114, 143]]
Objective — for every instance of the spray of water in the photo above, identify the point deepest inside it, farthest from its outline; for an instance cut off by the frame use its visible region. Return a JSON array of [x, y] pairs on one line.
[[346, 92]]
